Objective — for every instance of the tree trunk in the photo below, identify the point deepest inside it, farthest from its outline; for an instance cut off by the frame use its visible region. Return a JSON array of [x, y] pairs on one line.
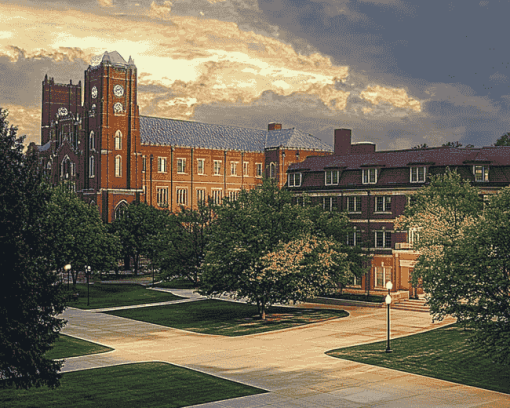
[[263, 314], [127, 261], [137, 261]]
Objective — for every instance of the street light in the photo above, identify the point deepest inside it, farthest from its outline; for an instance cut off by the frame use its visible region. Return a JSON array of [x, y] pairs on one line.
[[67, 268], [389, 286], [87, 272]]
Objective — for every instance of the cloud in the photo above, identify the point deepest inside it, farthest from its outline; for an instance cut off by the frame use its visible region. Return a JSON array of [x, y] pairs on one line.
[[395, 96], [28, 121], [162, 11], [105, 3]]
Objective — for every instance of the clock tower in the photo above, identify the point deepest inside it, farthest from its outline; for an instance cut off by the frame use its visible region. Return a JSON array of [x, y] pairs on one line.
[[113, 157]]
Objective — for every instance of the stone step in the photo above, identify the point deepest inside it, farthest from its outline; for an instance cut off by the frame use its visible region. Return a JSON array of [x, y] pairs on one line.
[[415, 305]]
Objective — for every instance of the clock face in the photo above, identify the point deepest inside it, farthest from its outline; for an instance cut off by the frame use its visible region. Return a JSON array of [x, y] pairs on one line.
[[117, 107], [118, 90], [62, 111], [94, 92]]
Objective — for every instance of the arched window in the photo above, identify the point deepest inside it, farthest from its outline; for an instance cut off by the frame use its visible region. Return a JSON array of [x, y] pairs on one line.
[[118, 140], [91, 140], [118, 166], [272, 170], [119, 210], [92, 169]]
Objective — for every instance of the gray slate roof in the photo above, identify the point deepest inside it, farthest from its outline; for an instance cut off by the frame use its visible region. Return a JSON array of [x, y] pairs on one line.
[[44, 147], [195, 134]]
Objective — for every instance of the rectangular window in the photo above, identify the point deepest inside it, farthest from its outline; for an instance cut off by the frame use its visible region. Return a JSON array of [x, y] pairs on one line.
[[353, 204], [216, 196], [233, 195], [356, 281], [413, 236], [217, 167], [327, 203], [162, 164], [92, 169], [162, 197], [258, 169], [382, 239], [481, 173], [369, 176], [182, 196], [201, 196], [118, 166], [382, 275], [294, 180], [352, 238], [233, 168], [417, 174], [144, 164], [200, 166], [181, 165], [332, 177], [382, 203], [245, 168]]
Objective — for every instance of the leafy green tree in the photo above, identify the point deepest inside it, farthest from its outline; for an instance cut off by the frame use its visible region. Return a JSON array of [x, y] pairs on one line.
[[457, 144], [137, 228], [181, 248], [421, 146], [30, 296], [78, 234], [503, 140], [250, 239]]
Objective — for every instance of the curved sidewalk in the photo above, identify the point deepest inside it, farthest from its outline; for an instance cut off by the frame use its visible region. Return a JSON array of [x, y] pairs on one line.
[[289, 363]]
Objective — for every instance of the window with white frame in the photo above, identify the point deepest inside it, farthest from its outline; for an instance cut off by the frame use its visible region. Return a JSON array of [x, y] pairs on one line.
[[382, 275], [413, 236], [382, 239], [91, 140], [369, 176], [201, 196], [118, 166], [382, 203], [353, 204], [162, 196], [182, 196], [353, 238], [245, 168], [217, 167], [294, 179], [258, 169], [144, 164], [200, 166], [331, 177], [481, 173], [233, 168], [161, 164], [181, 165], [216, 196], [272, 170], [418, 174], [92, 169], [233, 195], [356, 281], [118, 140], [327, 203]]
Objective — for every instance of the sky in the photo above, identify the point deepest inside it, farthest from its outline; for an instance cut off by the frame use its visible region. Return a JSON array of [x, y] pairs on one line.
[[399, 73]]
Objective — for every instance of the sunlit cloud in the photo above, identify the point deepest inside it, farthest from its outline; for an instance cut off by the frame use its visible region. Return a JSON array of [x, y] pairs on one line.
[[28, 121], [395, 96], [105, 3]]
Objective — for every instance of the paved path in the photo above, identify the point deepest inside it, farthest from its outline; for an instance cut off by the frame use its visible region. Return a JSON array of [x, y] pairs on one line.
[[289, 363]]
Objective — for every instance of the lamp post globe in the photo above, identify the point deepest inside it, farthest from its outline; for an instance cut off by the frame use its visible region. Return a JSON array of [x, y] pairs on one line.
[[67, 268]]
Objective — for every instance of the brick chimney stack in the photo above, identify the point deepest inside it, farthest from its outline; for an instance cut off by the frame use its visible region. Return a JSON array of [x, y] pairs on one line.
[[274, 126], [342, 142]]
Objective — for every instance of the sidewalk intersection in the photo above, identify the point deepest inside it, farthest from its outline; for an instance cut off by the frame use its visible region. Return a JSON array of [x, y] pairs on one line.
[[289, 363]]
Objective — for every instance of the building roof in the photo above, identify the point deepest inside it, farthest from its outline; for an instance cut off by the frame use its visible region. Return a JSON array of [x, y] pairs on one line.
[[44, 147], [110, 57], [195, 134]]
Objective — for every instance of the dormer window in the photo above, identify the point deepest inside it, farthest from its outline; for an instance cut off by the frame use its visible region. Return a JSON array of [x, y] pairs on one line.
[[481, 173], [294, 180], [418, 174], [331, 177], [369, 176]]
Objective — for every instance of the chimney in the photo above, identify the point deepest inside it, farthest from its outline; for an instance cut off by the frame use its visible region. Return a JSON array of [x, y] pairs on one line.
[[274, 126], [342, 142]]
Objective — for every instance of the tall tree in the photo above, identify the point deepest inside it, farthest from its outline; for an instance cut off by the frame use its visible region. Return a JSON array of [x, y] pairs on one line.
[[503, 140], [252, 237], [30, 296]]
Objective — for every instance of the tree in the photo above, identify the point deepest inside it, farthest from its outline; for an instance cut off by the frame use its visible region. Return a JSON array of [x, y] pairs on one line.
[[456, 144], [78, 234], [182, 249], [421, 146], [137, 228], [30, 296], [503, 140], [265, 249]]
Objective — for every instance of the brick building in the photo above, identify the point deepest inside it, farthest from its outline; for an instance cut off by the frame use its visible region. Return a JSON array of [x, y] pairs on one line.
[[113, 156], [375, 187]]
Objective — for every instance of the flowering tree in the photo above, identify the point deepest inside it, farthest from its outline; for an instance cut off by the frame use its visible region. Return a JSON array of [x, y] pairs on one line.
[[263, 248]]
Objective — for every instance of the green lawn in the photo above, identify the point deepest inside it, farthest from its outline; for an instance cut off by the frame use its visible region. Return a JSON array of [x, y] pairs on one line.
[[66, 346], [110, 295], [227, 318], [132, 385], [442, 353]]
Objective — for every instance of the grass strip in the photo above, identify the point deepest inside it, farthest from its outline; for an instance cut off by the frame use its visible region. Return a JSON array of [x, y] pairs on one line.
[[111, 295], [443, 353], [227, 318], [131, 385], [67, 346]]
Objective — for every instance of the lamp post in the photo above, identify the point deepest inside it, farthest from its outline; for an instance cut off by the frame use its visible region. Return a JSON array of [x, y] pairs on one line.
[[67, 268], [87, 272], [389, 286]]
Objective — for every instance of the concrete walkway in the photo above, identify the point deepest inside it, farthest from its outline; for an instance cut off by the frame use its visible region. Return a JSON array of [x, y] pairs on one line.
[[289, 363]]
